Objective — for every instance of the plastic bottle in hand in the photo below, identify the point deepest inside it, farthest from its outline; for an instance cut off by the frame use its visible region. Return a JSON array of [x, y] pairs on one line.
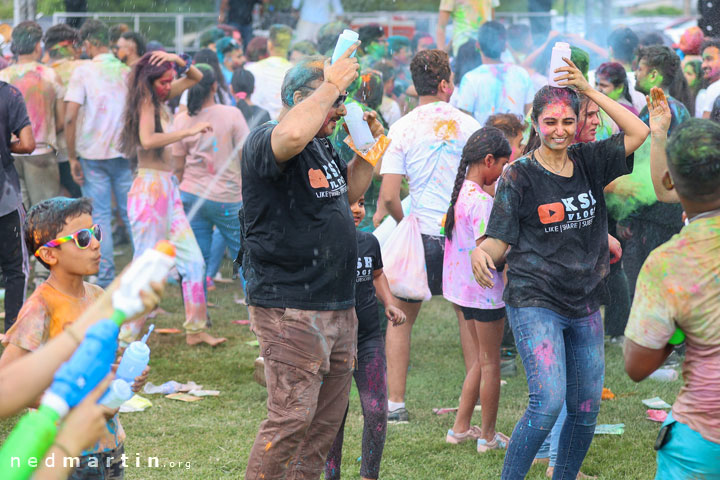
[[346, 40], [35, 433], [359, 128], [152, 266], [118, 393], [560, 50], [135, 359]]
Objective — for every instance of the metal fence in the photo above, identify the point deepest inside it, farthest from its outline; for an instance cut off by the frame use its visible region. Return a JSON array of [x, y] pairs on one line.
[[178, 30]]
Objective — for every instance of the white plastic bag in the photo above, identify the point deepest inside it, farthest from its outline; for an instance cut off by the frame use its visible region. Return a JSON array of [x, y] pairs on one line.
[[404, 261], [383, 231]]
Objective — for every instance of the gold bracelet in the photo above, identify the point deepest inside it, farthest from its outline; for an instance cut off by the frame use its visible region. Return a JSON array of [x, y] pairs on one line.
[[73, 334], [64, 450]]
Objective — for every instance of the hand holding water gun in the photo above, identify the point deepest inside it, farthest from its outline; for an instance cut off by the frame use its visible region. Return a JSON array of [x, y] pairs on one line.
[[35, 433]]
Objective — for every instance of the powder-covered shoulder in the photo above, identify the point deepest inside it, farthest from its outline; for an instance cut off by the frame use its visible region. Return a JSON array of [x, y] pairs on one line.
[[93, 291]]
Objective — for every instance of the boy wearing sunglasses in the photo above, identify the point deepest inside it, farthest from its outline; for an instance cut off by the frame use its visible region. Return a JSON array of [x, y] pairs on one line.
[[62, 235]]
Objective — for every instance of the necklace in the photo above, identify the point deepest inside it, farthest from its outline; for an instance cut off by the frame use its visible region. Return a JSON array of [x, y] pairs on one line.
[[544, 163]]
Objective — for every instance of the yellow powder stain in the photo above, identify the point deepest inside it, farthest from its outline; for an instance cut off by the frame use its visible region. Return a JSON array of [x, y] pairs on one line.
[[268, 446], [512, 100], [446, 129]]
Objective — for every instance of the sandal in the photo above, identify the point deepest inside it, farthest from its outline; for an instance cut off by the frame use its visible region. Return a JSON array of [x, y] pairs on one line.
[[499, 442], [473, 433]]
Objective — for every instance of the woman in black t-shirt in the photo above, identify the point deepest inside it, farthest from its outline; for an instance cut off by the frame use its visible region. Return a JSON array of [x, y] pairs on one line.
[[550, 207]]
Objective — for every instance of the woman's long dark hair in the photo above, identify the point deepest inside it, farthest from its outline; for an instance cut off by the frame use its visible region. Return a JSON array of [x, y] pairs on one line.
[[140, 90], [201, 90], [484, 142], [209, 57]]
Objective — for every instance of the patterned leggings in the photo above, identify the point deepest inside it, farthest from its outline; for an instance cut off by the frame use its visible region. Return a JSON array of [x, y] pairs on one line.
[[156, 213], [371, 381]]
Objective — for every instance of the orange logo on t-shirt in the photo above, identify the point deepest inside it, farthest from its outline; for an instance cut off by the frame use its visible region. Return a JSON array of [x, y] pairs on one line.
[[317, 179], [551, 213]]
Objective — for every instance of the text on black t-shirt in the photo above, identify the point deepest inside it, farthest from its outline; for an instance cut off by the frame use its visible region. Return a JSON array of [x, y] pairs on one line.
[[557, 228]]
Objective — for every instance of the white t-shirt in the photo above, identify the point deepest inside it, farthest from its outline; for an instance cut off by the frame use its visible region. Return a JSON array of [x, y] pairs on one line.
[[426, 145], [100, 86], [496, 88], [711, 93], [700, 103], [269, 75], [390, 110]]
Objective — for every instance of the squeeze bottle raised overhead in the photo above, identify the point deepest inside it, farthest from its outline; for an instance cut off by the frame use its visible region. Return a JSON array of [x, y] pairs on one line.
[[346, 40], [560, 50]]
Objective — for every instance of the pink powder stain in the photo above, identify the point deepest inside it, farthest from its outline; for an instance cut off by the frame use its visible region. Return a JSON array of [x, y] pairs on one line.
[[586, 405], [545, 353], [558, 111]]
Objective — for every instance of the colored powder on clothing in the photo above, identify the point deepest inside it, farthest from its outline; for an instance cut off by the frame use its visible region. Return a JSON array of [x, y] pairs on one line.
[[545, 353]]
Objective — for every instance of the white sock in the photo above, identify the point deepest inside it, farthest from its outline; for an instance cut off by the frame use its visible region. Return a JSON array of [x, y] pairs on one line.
[[392, 406]]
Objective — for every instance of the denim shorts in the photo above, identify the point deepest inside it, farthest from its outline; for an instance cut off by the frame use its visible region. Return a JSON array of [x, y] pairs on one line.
[[434, 247]]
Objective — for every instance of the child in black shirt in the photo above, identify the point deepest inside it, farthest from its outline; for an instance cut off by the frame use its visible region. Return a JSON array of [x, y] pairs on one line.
[[370, 372]]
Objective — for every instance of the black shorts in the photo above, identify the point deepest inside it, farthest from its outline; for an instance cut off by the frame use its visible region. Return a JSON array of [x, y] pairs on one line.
[[480, 315], [434, 247]]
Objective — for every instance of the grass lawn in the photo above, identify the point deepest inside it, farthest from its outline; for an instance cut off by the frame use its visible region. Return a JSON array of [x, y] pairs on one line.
[[211, 439]]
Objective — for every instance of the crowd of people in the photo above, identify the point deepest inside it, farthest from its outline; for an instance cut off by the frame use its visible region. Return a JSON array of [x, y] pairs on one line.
[[550, 218]]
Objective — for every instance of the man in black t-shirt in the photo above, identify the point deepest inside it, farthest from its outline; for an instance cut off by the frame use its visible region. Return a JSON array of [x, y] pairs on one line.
[[299, 258], [14, 120]]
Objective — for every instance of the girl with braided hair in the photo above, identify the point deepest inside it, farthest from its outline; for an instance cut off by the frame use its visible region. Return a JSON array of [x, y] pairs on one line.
[[485, 154]]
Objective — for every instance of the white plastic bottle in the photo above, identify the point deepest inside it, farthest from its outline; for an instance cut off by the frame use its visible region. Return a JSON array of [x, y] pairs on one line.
[[359, 128], [560, 50], [152, 266], [346, 40], [118, 393], [664, 375]]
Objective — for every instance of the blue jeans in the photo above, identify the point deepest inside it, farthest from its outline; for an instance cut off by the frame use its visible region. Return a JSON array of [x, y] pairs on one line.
[[102, 179], [223, 216], [564, 360], [549, 448], [217, 252]]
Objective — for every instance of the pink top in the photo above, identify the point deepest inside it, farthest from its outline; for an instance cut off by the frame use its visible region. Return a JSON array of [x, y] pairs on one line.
[[472, 211], [212, 159], [679, 287]]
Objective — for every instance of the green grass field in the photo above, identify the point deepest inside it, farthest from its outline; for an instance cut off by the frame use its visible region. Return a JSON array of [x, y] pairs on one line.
[[211, 439]]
